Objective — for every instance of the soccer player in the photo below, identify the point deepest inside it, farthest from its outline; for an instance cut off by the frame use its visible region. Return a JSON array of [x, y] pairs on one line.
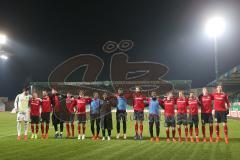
[[95, 115], [21, 106], [154, 115], [35, 105], [70, 105], [138, 106], [221, 106], [81, 103], [193, 115], [56, 119], [205, 101], [182, 103], [106, 116], [45, 114], [169, 113], [121, 114]]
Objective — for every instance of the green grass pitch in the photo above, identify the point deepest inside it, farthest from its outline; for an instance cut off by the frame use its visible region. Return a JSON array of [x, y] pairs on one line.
[[72, 149]]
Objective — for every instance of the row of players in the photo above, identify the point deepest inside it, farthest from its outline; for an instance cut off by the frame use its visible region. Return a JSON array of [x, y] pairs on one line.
[[100, 113]]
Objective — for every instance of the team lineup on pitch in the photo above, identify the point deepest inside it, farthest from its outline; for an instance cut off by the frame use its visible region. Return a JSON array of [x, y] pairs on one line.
[[212, 106]]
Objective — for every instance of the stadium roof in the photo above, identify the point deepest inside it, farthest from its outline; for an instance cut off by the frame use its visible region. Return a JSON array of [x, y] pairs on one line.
[[230, 80]]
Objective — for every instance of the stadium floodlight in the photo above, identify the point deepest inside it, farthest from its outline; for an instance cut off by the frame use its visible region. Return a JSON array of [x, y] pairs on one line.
[[4, 57], [215, 26], [3, 39]]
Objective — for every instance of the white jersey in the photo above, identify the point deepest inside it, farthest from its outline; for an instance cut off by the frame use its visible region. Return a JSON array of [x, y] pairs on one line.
[[21, 103]]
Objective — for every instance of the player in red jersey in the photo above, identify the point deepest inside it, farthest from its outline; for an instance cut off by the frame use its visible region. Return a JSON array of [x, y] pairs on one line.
[[182, 103], [35, 104], [221, 106], [70, 105], [45, 114], [138, 106], [193, 115], [205, 101], [81, 103], [169, 113]]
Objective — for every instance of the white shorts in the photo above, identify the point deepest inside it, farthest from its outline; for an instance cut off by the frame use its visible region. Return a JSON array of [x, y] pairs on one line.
[[22, 116]]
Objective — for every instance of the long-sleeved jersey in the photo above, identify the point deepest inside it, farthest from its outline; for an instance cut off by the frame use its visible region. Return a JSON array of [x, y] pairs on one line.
[[121, 102], [169, 106], [206, 103], [46, 104], [220, 101], [21, 103], [139, 102], [182, 104], [35, 105], [70, 104], [81, 103], [193, 106]]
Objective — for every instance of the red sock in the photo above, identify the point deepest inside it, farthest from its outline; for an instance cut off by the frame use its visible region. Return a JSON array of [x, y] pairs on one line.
[[37, 127], [83, 128], [217, 130], [186, 132], [179, 132], [196, 131], [167, 132], [72, 126], [47, 128], [141, 128], [211, 130], [203, 131], [191, 131], [42, 128], [79, 129], [32, 128], [67, 127], [136, 127], [226, 130], [173, 133]]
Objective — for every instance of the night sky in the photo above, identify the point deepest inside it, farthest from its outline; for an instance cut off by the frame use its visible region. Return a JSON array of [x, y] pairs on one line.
[[42, 34]]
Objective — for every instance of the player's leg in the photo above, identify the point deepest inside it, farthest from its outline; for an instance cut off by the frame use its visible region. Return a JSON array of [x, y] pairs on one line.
[[92, 123], [98, 126], [218, 116], [185, 123], [118, 119], [141, 118], [191, 127], [32, 126], [103, 134], [179, 123], [203, 119], [225, 127], [18, 130], [61, 128], [42, 125], [84, 119], [25, 130], [124, 121], [151, 127], [47, 124], [37, 126], [173, 126], [68, 128], [157, 123], [196, 122], [55, 125], [109, 134], [136, 117]]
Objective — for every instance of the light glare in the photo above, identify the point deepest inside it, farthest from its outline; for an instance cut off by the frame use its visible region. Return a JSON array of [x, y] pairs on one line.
[[4, 57], [215, 27], [3, 39]]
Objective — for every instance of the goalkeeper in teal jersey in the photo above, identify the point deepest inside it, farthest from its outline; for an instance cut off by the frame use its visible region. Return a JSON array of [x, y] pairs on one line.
[[21, 106]]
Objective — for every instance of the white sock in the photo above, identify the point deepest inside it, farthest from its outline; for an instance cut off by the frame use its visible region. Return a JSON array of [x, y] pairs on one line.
[[19, 128], [25, 128]]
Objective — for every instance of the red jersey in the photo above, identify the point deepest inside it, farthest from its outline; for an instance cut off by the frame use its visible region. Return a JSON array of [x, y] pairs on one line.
[[70, 104], [138, 102], [182, 104], [46, 104], [206, 103], [169, 107], [81, 103], [193, 106], [35, 105], [220, 101]]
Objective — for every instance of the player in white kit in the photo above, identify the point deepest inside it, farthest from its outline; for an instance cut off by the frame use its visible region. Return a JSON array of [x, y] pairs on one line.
[[21, 106]]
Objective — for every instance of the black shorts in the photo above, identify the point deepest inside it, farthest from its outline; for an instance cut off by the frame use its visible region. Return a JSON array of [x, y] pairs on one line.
[[82, 118], [94, 117], [121, 115], [45, 116], [154, 118], [221, 116], [56, 120], [206, 118], [139, 115], [71, 117], [193, 119], [35, 119], [181, 118], [170, 121]]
